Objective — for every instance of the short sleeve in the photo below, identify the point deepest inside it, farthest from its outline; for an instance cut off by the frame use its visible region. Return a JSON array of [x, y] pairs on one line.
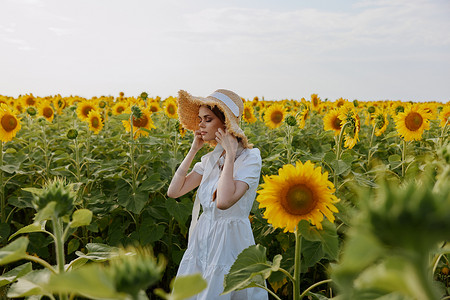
[[249, 169], [199, 167]]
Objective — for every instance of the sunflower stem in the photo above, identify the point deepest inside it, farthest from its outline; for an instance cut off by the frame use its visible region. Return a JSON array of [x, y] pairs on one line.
[[339, 149], [403, 158], [133, 167], [297, 264], [370, 147], [441, 138], [2, 194]]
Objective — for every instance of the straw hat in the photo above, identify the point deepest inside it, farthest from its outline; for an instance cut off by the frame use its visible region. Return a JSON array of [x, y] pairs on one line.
[[227, 101]]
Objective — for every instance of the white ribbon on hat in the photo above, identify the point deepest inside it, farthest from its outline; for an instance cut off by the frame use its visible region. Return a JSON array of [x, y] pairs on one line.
[[227, 101]]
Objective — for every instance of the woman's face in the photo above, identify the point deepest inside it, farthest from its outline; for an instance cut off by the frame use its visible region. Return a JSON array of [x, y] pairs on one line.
[[209, 123]]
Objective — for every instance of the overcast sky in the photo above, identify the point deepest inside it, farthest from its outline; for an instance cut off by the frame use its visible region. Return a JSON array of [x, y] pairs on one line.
[[276, 49]]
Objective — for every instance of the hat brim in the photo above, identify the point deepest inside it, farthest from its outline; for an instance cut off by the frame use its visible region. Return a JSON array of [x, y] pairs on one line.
[[188, 108]]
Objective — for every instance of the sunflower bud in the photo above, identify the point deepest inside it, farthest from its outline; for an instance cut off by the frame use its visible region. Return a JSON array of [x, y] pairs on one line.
[[136, 111], [102, 104], [291, 121], [144, 95], [355, 103], [31, 111], [371, 109], [72, 134], [56, 191], [135, 269]]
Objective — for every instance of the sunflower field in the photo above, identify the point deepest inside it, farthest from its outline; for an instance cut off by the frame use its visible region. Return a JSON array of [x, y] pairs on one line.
[[353, 201]]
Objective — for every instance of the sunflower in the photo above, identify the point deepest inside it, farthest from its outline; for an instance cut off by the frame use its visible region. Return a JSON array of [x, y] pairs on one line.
[[331, 121], [29, 100], [83, 109], [444, 116], [299, 192], [340, 102], [119, 108], [348, 115], [154, 106], [95, 121], [380, 122], [46, 110], [145, 122], [170, 108], [274, 115], [9, 123], [315, 102], [59, 103], [302, 117], [411, 123], [248, 114]]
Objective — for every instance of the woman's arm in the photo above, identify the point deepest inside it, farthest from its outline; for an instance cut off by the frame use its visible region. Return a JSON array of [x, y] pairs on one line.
[[229, 191], [182, 182]]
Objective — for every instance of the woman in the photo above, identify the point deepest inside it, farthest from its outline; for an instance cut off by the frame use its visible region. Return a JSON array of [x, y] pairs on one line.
[[227, 179]]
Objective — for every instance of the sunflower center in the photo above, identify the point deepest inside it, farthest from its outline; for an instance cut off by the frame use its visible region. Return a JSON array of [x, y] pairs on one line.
[[95, 122], [336, 123], [47, 112], [86, 110], [413, 121], [276, 117], [248, 114], [153, 108], [120, 109], [299, 200], [30, 101], [171, 109], [141, 122], [9, 123]]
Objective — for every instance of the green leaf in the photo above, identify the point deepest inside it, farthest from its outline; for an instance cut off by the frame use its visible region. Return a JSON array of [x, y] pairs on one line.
[[35, 227], [15, 273], [90, 281], [73, 245], [327, 236], [34, 191], [394, 158], [184, 287], [98, 252], [14, 251], [250, 269], [123, 117], [46, 213], [340, 166], [4, 231], [33, 283], [178, 210], [81, 217]]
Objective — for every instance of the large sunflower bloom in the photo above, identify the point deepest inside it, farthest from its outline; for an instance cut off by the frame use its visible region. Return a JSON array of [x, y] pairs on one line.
[[299, 192], [83, 109], [145, 122], [411, 123], [274, 115], [331, 121], [248, 114], [9, 123], [46, 110], [444, 116], [95, 121], [171, 108]]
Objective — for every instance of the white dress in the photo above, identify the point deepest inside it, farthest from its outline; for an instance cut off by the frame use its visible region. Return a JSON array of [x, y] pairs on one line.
[[220, 235]]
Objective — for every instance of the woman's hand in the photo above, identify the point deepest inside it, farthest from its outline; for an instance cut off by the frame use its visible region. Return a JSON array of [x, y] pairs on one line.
[[198, 141], [227, 140]]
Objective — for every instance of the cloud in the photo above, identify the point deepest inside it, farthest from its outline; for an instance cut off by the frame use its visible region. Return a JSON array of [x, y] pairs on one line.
[[374, 23]]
